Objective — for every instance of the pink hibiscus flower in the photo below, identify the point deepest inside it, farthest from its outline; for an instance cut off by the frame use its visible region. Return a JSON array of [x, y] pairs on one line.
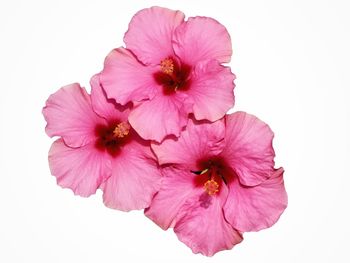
[[170, 68], [219, 182], [98, 148]]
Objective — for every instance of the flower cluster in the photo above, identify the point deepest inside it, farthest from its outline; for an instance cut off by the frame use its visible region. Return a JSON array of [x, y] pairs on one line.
[[154, 134]]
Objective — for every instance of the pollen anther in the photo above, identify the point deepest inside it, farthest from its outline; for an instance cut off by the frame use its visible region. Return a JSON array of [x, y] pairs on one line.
[[167, 66], [121, 130], [211, 187], [204, 171]]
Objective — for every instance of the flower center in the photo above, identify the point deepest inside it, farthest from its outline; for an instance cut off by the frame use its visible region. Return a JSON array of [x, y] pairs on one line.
[[110, 138], [211, 187], [209, 179], [121, 130], [173, 76], [167, 66], [212, 174]]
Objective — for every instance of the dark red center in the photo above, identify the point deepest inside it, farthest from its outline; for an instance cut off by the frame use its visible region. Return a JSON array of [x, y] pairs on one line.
[[213, 169], [173, 76], [107, 139]]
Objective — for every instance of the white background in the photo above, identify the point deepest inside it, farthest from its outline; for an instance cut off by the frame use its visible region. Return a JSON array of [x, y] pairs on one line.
[[292, 63]]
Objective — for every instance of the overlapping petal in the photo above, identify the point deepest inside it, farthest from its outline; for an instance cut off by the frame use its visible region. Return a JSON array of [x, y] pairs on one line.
[[106, 108], [200, 39], [161, 116], [81, 169], [135, 178], [211, 90], [150, 33], [199, 140], [69, 114], [255, 208], [125, 79], [175, 191], [248, 149], [203, 227]]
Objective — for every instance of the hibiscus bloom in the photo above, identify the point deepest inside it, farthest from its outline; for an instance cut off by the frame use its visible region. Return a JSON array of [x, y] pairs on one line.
[[170, 68], [219, 182], [98, 148]]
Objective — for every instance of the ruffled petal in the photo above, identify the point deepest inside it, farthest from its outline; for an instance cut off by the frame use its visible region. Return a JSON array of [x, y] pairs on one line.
[[125, 79], [199, 140], [80, 169], [176, 189], [211, 90], [135, 179], [248, 149], [68, 113], [161, 116], [150, 33], [106, 108], [200, 39], [201, 224], [257, 207]]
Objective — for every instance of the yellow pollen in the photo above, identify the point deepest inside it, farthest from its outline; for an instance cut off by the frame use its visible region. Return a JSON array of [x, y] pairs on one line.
[[121, 130], [167, 66], [211, 187]]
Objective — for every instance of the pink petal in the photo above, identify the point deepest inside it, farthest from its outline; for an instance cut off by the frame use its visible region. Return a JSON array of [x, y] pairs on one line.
[[248, 149], [125, 79], [161, 116], [106, 108], [175, 191], [200, 39], [199, 140], [150, 32], [80, 169], [212, 91], [203, 228], [69, 114], [135, 179], [258, 207]]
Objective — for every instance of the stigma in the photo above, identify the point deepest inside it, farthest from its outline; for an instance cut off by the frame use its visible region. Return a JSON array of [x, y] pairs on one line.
[[211, 187], [167, 66], [121, 130]]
